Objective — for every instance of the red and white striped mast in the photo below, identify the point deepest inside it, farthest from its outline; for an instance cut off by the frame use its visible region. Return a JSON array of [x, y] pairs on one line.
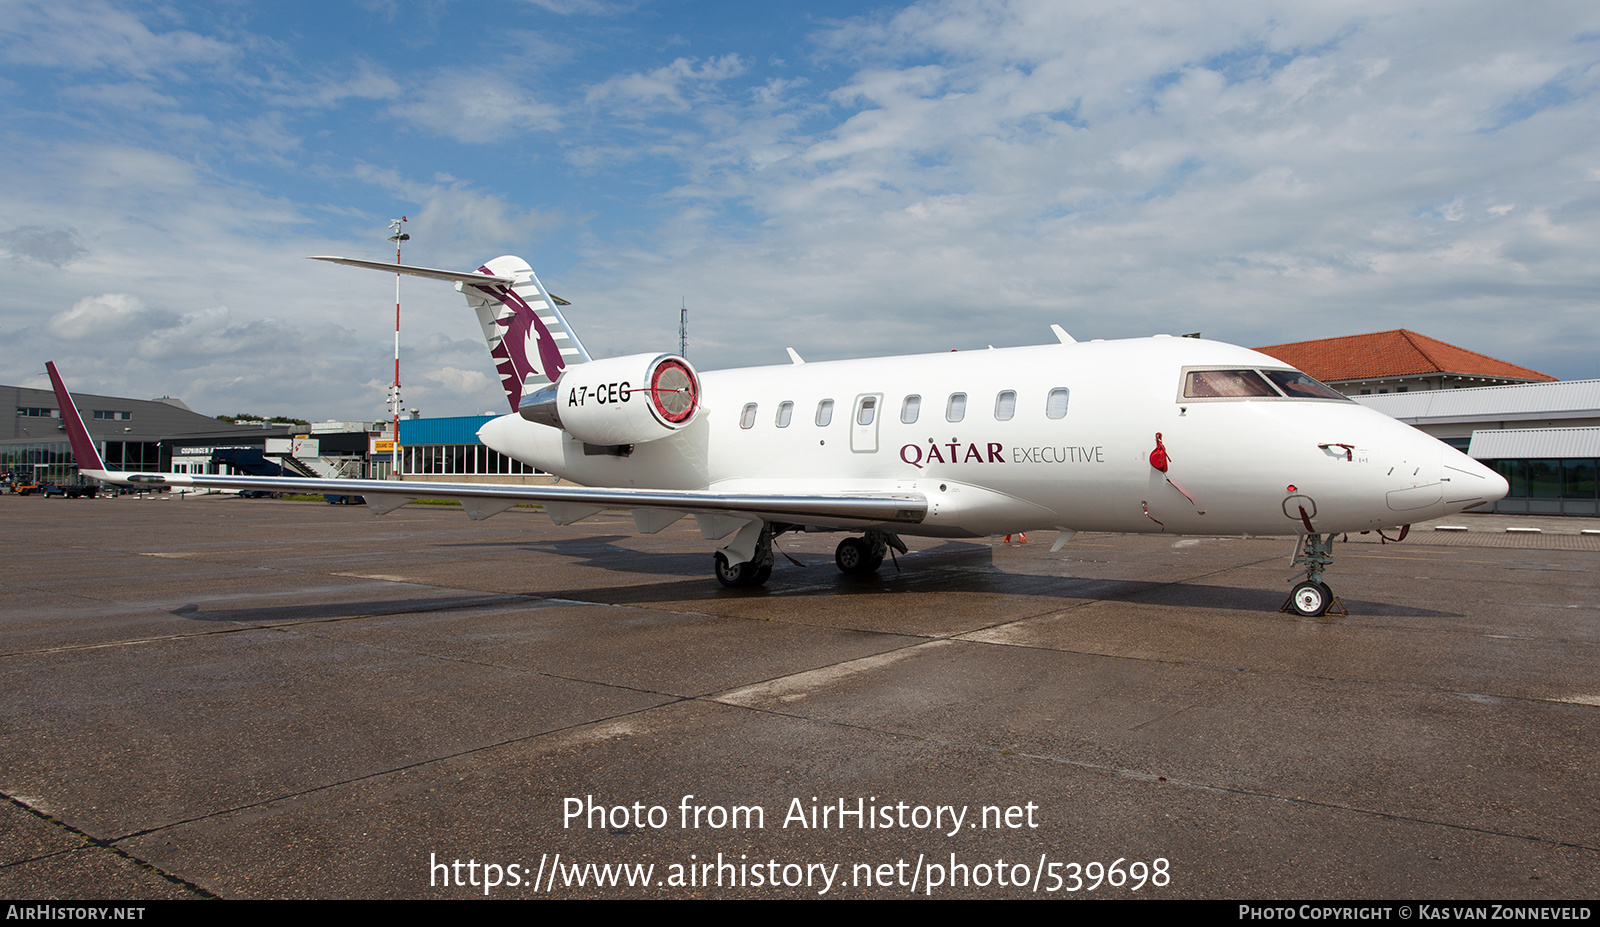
[[396, 226]]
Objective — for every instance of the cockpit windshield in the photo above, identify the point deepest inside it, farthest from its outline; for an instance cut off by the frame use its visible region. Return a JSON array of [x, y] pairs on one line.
[[1297, 385], [1246, 383]]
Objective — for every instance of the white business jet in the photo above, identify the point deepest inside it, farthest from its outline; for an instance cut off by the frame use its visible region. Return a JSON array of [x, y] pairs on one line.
[[1146, 435]]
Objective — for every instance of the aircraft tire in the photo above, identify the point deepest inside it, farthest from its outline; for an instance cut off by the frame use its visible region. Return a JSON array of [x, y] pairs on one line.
[[738, 577], [854, 558], [1311, 599]]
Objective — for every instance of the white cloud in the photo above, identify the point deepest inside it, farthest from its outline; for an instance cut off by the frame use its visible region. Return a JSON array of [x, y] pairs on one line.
[[109, 315], [674, 85], [941, 174], [1262, 172], [479, 106], [456, 380], [90, 35], [583, 7], [368, 83], [56, 247], [456, 221]]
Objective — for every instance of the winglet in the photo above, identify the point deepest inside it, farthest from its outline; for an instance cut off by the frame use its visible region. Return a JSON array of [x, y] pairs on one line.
[[83, 449], [1062, 336]]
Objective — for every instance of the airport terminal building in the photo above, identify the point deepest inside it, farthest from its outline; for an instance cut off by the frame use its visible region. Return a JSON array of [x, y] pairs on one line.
[[133, 434], [166, 436]]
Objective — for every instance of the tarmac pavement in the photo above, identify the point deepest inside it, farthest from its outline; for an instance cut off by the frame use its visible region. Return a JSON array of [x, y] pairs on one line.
[[212, 696]]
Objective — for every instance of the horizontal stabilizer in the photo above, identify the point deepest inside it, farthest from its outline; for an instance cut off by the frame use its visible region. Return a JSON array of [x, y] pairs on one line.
[[471, 278], [453, 276]]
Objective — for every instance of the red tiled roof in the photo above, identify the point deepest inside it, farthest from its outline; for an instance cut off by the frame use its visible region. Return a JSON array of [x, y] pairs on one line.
[[1399, 353]]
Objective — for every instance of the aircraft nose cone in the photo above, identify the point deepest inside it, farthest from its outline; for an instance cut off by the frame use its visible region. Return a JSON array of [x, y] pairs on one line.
[[1471, 483]]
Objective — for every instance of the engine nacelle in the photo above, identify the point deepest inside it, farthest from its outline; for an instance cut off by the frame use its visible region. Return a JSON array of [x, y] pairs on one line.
[[619, 400]]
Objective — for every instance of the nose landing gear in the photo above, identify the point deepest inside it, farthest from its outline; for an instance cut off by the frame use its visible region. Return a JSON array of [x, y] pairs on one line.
[[1311, 597]]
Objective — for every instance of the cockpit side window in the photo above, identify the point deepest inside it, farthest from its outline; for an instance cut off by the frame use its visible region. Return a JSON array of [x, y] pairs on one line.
[[1246, 383], [1297, 385]]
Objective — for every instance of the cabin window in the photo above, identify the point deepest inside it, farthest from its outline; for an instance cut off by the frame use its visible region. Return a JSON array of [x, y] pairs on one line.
[[956, 409], [747, 418], [785, 413], [867, 411], [909, 409], [1056, 405], [1005, 405], [824, 413]]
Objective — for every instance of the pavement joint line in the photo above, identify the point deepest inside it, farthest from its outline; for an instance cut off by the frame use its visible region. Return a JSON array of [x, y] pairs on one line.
[[922, 641], [1181, 783], [98, 843], [376, 774], [240, 626], [671, 696], [1077, 605], [1191, 664]]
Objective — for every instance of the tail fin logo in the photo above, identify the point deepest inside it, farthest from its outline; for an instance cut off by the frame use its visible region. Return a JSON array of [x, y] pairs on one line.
[[525, 346]]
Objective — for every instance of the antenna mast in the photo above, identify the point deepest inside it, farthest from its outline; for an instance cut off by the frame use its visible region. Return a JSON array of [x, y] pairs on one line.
[[396, 226], [683, 328]]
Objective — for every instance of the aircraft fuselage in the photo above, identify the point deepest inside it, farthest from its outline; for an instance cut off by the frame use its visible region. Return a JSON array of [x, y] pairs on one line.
[[1051, 436]]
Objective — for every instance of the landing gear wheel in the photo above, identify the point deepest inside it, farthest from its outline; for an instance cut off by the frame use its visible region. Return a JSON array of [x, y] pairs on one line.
[[1311, 599], [738, 577], [854, 557]]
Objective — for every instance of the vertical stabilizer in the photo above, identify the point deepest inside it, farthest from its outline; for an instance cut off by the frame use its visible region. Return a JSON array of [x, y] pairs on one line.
[[528, 337], [83, 449]]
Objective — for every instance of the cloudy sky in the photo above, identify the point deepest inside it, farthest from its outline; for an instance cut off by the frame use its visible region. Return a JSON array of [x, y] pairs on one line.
[[847, 178]]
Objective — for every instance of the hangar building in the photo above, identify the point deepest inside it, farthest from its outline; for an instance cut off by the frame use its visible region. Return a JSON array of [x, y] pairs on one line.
[[1541, 434]]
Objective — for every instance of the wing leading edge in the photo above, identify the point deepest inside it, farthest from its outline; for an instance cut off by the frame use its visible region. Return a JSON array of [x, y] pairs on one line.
[[566, 503]]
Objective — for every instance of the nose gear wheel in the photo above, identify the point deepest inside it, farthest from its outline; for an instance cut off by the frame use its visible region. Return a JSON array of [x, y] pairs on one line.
[[1311, 597]]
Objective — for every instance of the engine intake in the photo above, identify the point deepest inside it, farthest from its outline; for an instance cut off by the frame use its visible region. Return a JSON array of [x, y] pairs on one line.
[[619, 400]]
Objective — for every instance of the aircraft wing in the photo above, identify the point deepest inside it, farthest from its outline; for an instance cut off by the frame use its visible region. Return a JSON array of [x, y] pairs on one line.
[[484, 499], [653, 509]]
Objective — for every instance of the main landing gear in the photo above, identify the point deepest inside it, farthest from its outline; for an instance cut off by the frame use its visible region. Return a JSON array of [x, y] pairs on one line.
[[855, 556], [863, 555], [753, 572], [1312, 597]]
